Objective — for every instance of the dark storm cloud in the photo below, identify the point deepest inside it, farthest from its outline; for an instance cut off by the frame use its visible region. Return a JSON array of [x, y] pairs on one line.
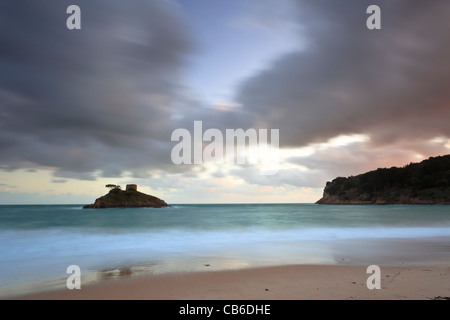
[[391, 84], [93, 99], [107, 97]]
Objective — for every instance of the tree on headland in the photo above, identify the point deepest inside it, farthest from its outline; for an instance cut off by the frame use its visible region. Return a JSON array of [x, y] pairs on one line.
[[426, 182], [113, 186]]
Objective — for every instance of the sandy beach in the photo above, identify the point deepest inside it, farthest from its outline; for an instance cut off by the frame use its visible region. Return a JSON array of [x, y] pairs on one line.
[[294, 282]]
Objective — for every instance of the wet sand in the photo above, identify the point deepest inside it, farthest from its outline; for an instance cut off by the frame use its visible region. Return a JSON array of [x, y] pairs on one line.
[[292, 282]]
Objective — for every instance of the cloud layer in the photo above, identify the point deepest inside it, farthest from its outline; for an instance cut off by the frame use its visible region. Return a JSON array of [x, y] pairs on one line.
[[93, 99], [105, 99], [390, 84]]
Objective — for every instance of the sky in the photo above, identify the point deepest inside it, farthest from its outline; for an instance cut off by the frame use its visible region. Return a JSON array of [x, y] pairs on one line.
[[80, 109]]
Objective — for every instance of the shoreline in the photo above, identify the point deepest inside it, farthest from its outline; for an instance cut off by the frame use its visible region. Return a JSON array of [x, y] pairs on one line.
[[286, 282], [423, 261]]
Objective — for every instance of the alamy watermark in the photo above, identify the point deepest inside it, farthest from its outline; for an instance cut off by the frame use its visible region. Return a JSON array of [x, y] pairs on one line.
[[241, 147], [374, 281], [74, 20], [74, 280]]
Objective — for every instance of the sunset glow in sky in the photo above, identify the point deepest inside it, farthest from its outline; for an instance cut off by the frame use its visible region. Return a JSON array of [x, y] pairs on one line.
[[83, 108]]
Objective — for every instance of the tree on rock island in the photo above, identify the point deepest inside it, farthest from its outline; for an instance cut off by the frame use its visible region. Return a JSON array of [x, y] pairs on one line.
[[113, 186]]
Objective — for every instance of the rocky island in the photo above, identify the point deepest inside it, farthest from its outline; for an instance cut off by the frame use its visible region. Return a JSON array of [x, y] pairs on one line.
[[129, 198], [427, 182]]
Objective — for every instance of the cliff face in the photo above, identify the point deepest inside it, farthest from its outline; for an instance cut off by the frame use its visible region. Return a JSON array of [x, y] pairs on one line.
[[129, 198], [427, 182]]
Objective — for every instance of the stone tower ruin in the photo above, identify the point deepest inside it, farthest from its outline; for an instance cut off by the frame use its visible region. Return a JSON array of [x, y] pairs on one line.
[[131, 187]]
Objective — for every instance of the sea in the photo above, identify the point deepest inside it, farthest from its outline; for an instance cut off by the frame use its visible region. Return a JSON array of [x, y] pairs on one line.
[[39, 242]]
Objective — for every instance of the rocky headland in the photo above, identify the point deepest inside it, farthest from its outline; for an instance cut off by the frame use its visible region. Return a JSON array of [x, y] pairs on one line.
[[427, 182]]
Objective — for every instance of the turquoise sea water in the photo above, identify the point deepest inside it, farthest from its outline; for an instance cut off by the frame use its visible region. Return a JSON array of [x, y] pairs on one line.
[[37, 243]]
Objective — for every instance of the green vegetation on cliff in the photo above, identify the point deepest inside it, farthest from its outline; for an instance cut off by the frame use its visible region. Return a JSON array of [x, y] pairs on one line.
[[427, 182], [128, 198]]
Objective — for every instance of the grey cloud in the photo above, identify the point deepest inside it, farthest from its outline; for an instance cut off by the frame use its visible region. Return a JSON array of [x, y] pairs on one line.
[[7, 185], [95, 99], [361, 157], [284, 177], [59, 180], [325, 164], [390, 83]]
